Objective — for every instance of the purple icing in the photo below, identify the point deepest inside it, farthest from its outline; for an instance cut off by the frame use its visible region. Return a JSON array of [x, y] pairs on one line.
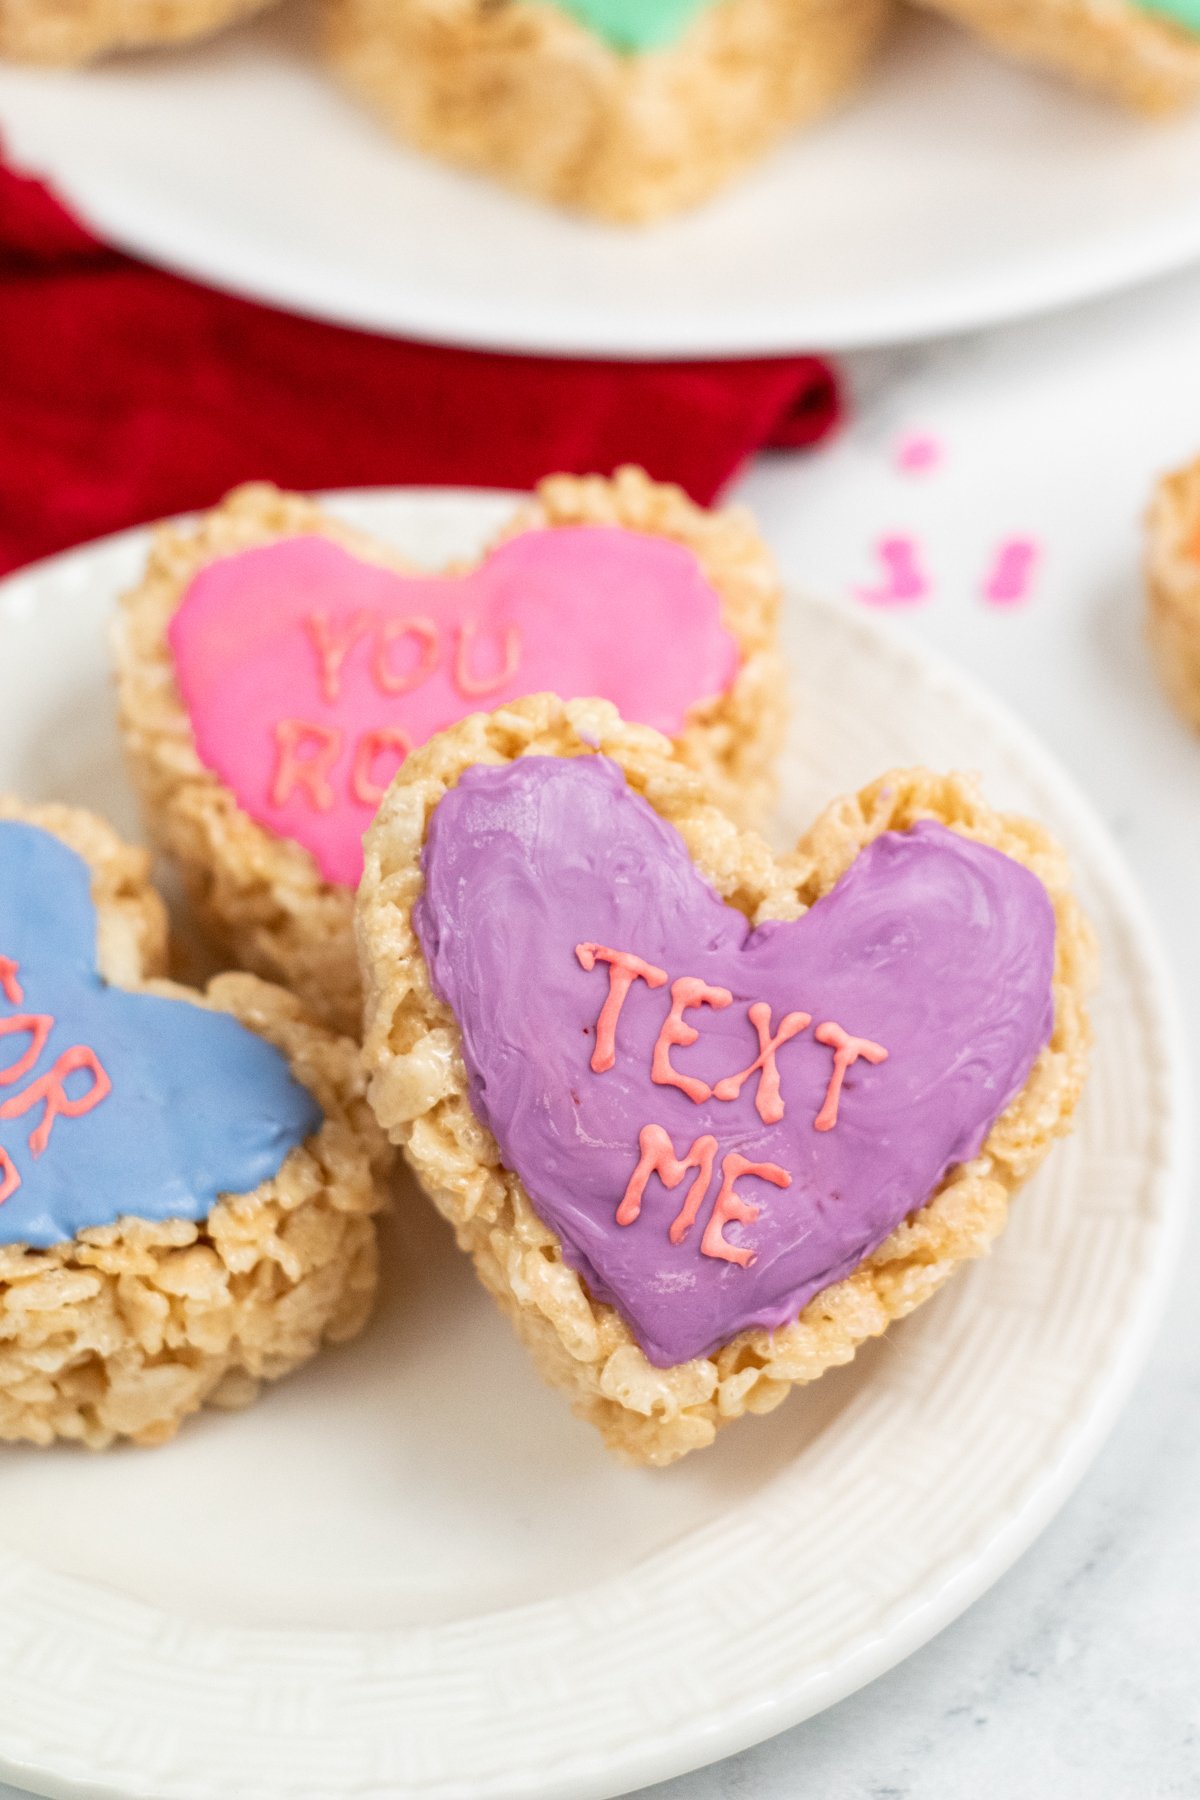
[[939, 949]]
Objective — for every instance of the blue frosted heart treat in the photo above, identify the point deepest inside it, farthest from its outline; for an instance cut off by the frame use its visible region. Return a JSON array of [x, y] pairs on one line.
[[187, 1181]]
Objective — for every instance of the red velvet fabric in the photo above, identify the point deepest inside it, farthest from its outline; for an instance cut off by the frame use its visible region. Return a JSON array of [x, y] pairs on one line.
[[127, 393]]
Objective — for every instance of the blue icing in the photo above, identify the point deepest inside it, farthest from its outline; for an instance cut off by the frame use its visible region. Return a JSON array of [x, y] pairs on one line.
[[199, 1105]]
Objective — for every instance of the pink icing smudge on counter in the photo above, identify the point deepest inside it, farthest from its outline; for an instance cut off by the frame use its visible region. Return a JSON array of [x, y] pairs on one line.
[[1010, 579], [919, 453], [905, 582]]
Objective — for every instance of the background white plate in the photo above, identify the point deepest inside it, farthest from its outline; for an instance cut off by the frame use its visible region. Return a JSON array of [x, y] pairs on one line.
[[954, 192], [409, 1571]]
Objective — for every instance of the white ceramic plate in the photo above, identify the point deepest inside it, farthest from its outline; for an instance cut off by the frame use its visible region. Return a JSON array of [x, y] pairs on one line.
[[409, 1572], [954, 192]]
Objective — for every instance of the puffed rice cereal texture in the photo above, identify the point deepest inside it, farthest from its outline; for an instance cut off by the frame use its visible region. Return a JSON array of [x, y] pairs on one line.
[[522, 91], [75, 31], [420, 1096], [1173, 588], [261, 899], [1139, 58], [128, 1328]]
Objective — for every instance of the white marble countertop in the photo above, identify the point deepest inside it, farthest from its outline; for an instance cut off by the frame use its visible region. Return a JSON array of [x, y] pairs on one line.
[[1078, 1676]]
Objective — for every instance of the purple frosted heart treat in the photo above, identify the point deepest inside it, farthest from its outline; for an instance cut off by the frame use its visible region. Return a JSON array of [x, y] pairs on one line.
[[703, 1125], [617, 1017]]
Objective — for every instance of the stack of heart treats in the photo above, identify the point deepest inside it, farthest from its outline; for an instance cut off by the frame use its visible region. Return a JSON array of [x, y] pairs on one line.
[[480, 845]]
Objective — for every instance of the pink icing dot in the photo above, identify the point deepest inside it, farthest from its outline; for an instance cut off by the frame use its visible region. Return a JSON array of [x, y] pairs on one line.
[[919, 453], [905, 582], [1011, 577]]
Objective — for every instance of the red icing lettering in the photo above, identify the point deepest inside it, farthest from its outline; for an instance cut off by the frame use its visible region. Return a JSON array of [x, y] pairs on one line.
[[846, 1052], [687, 992], [387, 679], [623, 970], [658, 1158], [50, 1090], [472, 685], [10, 987], [10, 1181], [333, 643], [39, 1026], [372, 745], [730, 1205], [310, 772], [768, 1100]]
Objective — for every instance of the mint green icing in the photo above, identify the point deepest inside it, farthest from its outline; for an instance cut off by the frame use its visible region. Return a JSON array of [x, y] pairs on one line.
[[1180, 12], [646, 24]]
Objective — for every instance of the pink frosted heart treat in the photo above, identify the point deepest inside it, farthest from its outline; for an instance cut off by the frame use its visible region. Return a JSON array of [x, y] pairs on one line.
[[276, 670], [739, 1114]]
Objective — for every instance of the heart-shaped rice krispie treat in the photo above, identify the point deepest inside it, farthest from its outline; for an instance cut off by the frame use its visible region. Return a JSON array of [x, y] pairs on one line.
[[75, 31], [630, 109], [275, 667], [1173, 587], [188, 1182], [1145, 53], [707, 1119]]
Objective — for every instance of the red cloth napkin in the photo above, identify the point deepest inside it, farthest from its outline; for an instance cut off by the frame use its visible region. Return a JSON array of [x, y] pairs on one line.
[[127, 394]]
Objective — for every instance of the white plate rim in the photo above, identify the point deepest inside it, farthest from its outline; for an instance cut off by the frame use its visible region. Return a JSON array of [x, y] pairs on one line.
[[643, 1762], [268, 275], [191, 229]]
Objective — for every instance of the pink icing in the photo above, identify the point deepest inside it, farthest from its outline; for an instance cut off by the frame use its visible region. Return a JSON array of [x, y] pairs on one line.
[[686, 993], [37, 1027], [846, 1052], [50, 1092], [918, 453], [657, 1157], [623, 970], [730, 1206], [905, 580], [768, 1100], [308, 673], [373, 746], [1010, 580], [10, 985]]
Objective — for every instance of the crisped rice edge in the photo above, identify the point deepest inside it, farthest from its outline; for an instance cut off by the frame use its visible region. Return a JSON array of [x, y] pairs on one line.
[[1144, 60], [1173, 587], [66, 32], [420, 1095]]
